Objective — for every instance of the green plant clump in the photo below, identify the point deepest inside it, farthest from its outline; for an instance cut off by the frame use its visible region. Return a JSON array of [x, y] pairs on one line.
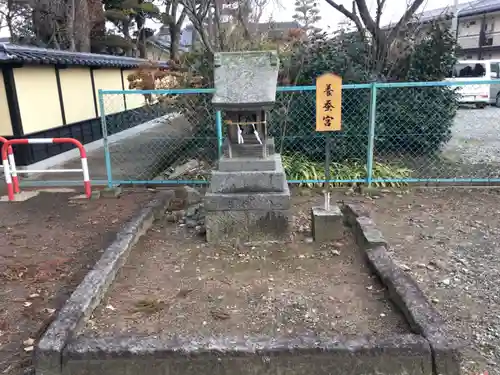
[[299, 168]]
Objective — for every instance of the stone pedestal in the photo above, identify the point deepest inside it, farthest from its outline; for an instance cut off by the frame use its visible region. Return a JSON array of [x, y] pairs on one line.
[[327, 225], [248, 199]]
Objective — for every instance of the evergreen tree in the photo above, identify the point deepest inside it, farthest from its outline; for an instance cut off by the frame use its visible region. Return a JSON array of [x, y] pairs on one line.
[[307, 14]]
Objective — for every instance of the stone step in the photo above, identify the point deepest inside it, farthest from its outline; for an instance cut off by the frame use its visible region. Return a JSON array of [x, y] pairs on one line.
[[248, 181], [249, 164], [248, 201]]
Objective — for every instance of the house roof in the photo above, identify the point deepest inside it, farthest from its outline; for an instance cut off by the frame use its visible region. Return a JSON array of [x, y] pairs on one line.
[[480, 7], [11, 53], [471, 8]]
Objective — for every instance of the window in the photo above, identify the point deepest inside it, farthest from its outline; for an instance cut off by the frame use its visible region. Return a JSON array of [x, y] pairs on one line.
[[473, 70], [488, 42], [495, 70]]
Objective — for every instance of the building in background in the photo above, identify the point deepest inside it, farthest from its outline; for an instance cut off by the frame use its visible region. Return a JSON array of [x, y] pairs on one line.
[[478, 31], [48, 93]]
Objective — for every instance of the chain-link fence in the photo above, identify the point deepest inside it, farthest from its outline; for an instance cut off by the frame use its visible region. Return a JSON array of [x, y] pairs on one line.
[[436, 132], [178, 145], [391, 133]]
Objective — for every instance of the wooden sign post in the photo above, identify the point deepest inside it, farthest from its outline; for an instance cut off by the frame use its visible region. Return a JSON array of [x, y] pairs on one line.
[[328, 117]]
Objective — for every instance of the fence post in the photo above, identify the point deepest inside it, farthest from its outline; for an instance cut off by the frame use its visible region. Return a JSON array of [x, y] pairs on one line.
[[371, 133], [107, 156], [218, 126]]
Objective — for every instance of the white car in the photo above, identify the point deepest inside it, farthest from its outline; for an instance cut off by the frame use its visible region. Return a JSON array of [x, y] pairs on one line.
[[477, 70]]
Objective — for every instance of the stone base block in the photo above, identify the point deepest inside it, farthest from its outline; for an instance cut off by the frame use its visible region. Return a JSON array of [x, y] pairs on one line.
[[248, 201], [249, 164], [256, 225], [248, 182], [328, 225]]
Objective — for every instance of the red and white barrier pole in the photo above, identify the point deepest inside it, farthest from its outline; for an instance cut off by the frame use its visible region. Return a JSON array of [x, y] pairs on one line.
[[12, 163], [8, 170]]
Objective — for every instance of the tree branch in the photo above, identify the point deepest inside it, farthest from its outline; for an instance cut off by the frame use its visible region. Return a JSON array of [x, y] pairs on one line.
[[410, 11], [380, 8], [351, 15], [370, 24]]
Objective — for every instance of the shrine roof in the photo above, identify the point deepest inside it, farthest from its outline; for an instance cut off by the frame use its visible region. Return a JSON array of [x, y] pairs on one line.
[[245, 80]]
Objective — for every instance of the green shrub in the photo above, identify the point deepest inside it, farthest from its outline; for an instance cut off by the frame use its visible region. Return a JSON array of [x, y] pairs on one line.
[[408, 120]]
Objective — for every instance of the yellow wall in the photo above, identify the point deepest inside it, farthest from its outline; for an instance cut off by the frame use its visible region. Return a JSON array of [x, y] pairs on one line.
[[110, 79], [77, 94], [5, 123], [38, 98], [133, 100]]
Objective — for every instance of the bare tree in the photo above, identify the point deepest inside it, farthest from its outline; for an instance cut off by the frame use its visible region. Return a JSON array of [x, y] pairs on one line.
[[174, 21], [197, 12], [226, 25], [382, 38]]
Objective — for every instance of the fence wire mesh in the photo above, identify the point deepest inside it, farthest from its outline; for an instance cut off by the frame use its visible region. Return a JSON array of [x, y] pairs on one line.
[[175, 140], [420, 134], [426, 134], [292, 123]]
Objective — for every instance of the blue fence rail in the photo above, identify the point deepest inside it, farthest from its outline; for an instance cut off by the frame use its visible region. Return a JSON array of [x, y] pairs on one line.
[[392, 133]]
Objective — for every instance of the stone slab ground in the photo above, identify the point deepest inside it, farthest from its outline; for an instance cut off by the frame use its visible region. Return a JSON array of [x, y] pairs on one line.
[[371, 336]]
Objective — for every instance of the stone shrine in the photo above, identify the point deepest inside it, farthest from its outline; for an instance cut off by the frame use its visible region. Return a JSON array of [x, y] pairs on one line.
[[248, 198]]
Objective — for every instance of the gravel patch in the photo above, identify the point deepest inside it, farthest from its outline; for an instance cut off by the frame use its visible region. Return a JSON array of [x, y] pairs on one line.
[[449, 241], [475, 137]]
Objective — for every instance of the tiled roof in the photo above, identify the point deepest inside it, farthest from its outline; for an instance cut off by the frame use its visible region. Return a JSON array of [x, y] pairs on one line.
[[479, 7], [470, 8], [11, 53]]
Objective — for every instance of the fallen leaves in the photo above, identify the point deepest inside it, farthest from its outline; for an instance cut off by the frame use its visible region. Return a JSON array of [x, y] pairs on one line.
[[149, 306], [219, 314]]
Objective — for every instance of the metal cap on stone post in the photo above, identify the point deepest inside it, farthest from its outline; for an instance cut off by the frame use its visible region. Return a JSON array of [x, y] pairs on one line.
[[245, 88]]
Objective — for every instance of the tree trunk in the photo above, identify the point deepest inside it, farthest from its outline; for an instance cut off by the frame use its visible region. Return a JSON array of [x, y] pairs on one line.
[[97, 20], [175, 34], [83, 26]]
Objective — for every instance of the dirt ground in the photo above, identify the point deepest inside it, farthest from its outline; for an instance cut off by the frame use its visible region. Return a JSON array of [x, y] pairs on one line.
[[448, 239], [174, 284], [47, 245]]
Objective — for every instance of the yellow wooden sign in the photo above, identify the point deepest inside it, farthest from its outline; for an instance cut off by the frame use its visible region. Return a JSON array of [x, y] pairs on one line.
[[328, 103]]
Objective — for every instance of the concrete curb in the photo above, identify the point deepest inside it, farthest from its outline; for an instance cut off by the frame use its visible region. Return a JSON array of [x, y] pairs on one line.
[[428, 351], [398, 354], [48, 352], [405, 293]]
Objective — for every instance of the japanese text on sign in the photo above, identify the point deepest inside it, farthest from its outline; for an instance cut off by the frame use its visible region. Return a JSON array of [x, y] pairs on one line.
[[328, 103]]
